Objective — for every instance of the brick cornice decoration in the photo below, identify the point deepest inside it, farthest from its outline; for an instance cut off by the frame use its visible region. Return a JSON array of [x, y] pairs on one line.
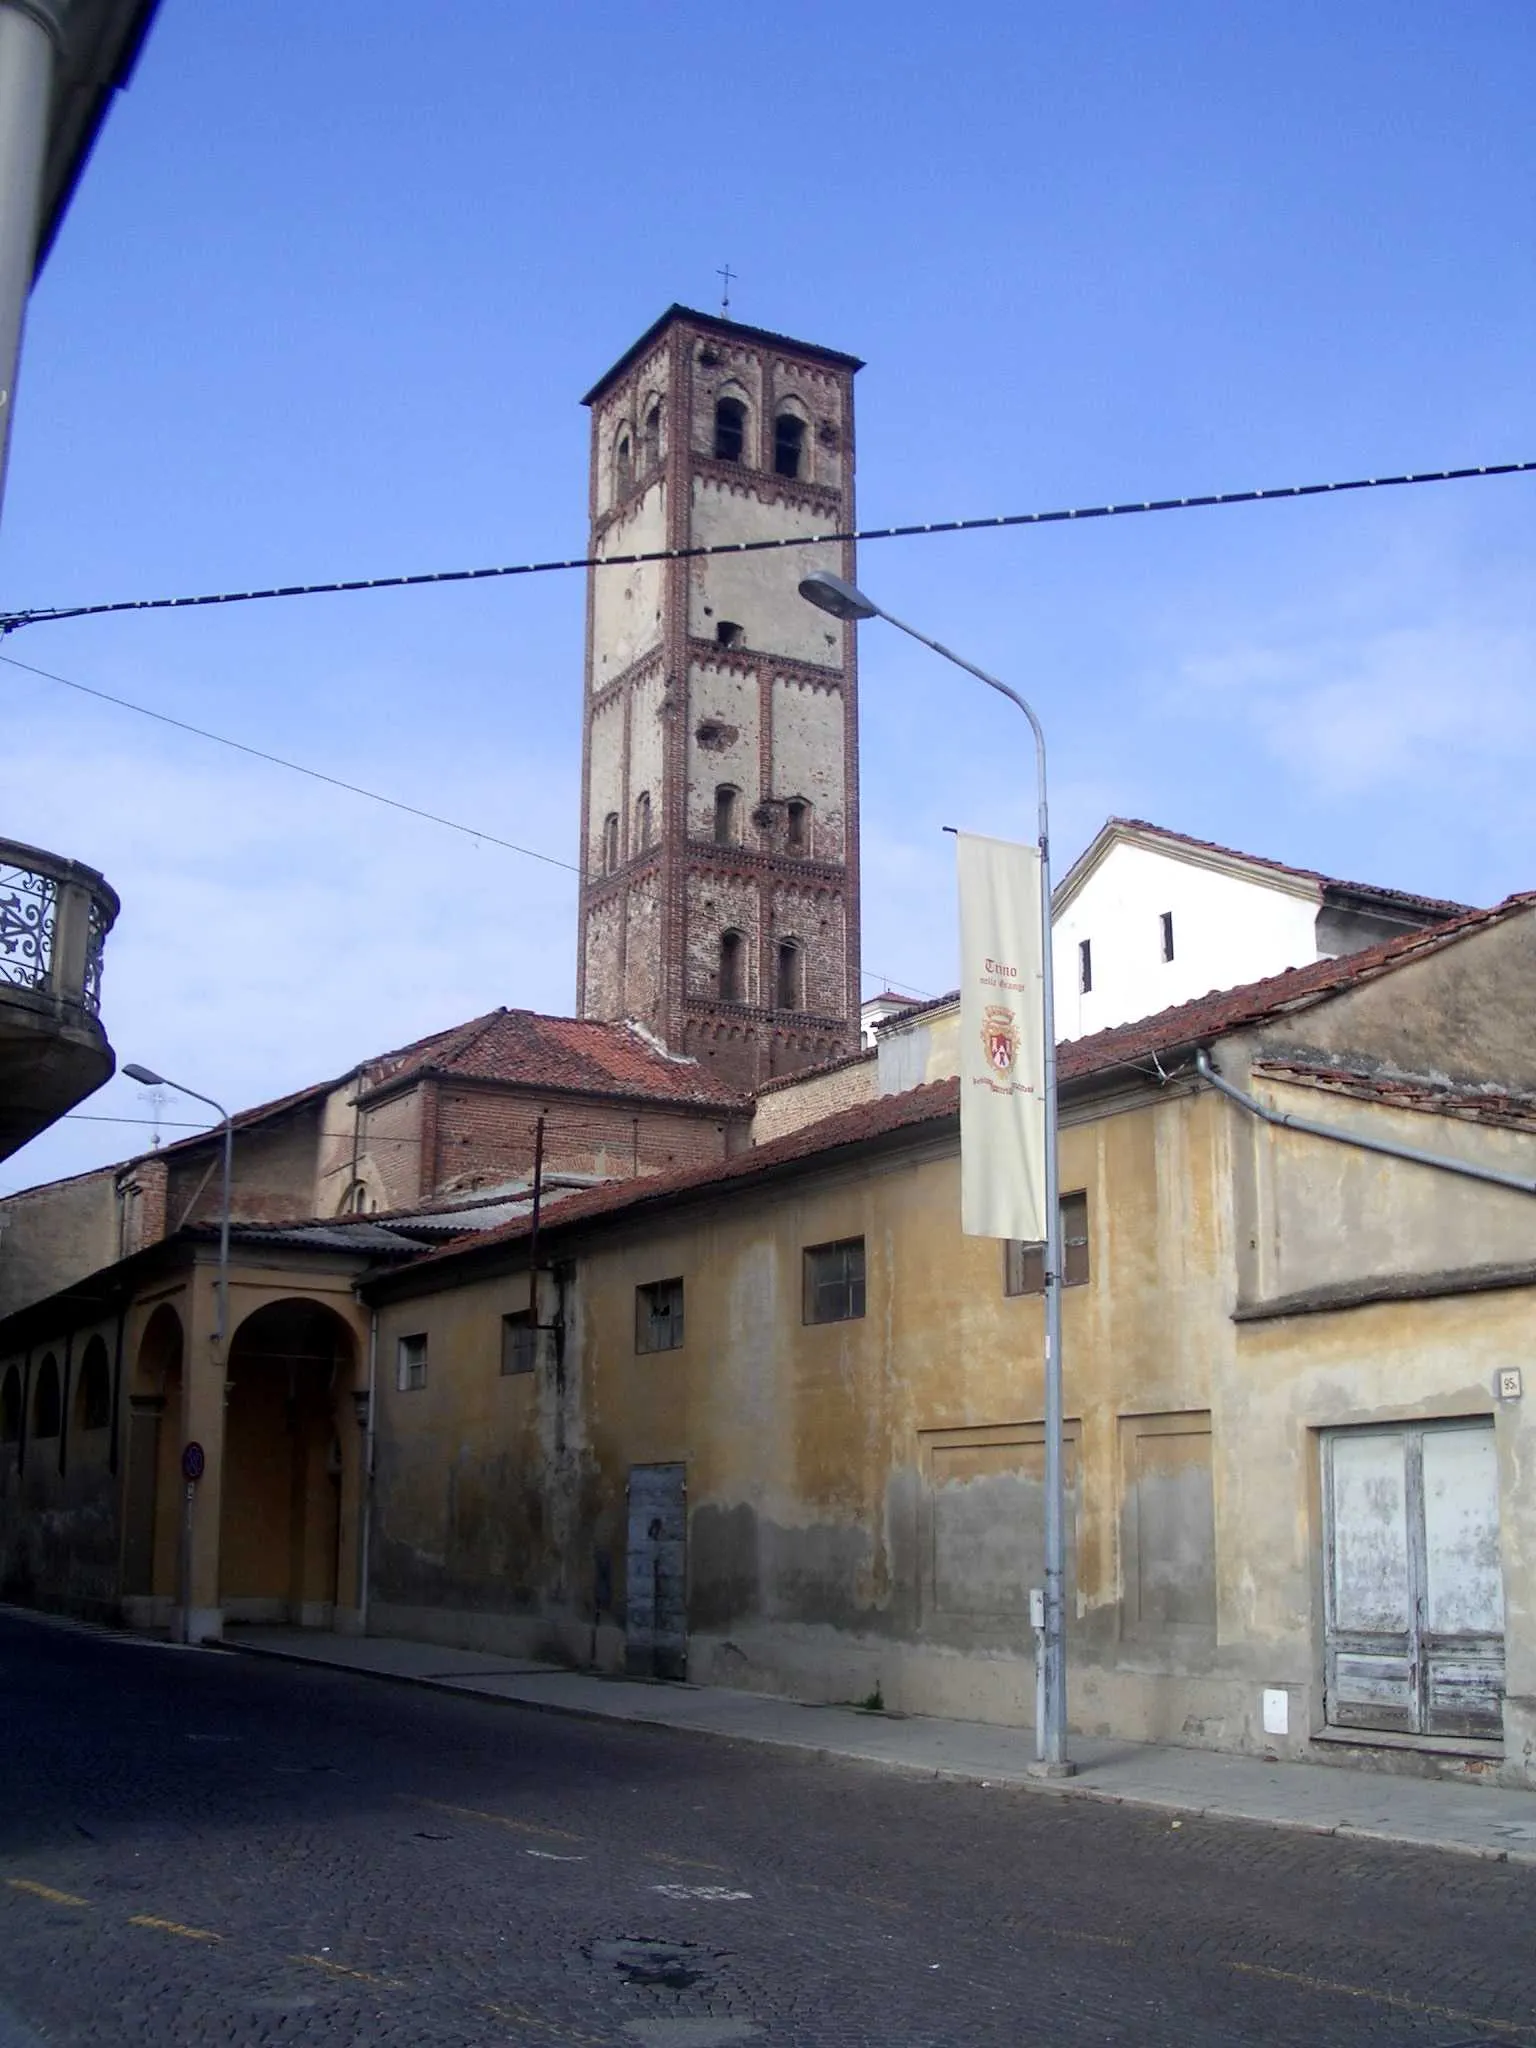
[[812, 877], [602, 699]]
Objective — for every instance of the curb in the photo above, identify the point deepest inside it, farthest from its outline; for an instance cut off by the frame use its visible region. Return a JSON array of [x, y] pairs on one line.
[[1070, 1788]]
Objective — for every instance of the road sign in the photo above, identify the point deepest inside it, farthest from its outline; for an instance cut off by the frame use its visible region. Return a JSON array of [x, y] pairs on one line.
[[193, 1463]]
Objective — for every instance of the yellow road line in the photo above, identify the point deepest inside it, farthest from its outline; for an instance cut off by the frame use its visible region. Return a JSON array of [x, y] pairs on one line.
[[497, 1820], [525, 2018], [1391, 1998], [45, 1891], [342, 1970], [172, 1927]]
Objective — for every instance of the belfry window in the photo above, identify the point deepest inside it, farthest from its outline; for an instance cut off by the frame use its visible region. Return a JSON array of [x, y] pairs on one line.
[[730, 429], [733, 968], [650, 438], [789, 985], [623, 467], [788, 444], [610, 842], [727, 633], [727, 814], [642, 820], [797, 818]]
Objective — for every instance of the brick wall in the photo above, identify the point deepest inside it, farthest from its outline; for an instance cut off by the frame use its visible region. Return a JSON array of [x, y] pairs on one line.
[[487, 1134]]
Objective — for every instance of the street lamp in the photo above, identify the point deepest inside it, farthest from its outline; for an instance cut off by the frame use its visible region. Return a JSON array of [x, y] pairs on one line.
[[845, 601], [149, 1079]]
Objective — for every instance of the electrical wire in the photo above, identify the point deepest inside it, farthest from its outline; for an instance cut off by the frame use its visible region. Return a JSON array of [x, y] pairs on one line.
[[297, 767], [10, 622]]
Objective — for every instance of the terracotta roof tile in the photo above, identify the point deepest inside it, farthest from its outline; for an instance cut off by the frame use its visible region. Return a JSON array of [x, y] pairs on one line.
[[578, 1054], [1127, 1045]]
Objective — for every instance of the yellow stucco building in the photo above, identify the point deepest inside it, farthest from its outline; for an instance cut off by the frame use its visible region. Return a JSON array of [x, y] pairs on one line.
[[780, 1424]]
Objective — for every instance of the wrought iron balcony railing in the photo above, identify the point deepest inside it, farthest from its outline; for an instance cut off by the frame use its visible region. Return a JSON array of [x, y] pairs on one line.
[[54, 918]]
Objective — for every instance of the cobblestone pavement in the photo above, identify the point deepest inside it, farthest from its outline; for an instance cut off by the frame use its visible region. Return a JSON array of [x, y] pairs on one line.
[[203, 1849]]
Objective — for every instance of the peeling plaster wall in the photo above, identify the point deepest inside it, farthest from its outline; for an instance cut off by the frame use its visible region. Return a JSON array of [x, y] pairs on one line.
[[808, 757], [606, 780], [723, 744], [760, 592], [627, 615]]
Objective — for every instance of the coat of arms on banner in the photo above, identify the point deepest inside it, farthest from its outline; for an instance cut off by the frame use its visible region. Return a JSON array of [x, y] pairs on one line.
[[1000, 1037]]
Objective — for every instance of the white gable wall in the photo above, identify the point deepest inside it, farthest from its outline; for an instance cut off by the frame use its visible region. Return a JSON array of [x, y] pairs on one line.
[[1227, 929]]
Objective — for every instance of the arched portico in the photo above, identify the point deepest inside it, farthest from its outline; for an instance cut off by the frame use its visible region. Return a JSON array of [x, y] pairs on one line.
[[290, 1457], [151, 1499]]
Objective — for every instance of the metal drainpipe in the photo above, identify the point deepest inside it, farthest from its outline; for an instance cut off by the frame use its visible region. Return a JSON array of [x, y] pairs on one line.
[[368, 1441], [1518, 1183]]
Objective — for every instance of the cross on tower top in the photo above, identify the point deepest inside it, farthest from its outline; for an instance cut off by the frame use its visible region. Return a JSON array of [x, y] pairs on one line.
[[729, 278]]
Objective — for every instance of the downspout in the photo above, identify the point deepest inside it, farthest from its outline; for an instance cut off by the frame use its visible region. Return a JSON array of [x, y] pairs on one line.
[[1517, 1183], [369, 1434]]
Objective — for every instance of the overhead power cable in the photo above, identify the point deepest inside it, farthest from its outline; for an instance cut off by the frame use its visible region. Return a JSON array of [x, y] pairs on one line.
[[11, 621], [374, 796]]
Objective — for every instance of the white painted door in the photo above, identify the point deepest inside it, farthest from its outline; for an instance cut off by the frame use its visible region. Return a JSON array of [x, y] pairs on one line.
[[656, 1589], [1415, 1605]]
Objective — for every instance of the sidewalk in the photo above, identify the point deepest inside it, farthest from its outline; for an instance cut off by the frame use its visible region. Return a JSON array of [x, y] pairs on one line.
[[1474, 1820]]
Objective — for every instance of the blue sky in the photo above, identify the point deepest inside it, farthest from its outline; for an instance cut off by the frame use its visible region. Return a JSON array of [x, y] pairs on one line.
[[337, 277]]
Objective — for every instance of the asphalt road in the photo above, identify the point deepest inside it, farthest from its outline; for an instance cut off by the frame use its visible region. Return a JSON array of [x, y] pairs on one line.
[[201, 1848]]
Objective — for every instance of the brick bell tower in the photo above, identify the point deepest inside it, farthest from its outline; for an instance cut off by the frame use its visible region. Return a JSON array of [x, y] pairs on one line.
[[720, 810]]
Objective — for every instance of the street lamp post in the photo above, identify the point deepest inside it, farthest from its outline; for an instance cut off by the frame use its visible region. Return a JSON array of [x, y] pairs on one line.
[[150, 1079], [845, 601]]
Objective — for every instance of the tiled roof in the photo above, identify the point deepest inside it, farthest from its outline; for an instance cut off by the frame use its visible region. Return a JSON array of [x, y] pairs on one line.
[[1408, 1091], [1127, 1045], [575, 1054], [937, 1102], [1397, 899]]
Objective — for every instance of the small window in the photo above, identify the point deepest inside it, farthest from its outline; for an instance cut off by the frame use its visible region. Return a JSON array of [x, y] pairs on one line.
[[834, 1281], [47, 1402], [610, 842], [10, 1407], [788, 444], [411, 1364], [1024, 1264], [93, 1398], [642, 820], [797, 813], [727, 633], [730, 429], [1085, 965], [727, 814], [623, 467], [519, 1343], [733, 968], [1167, 923], [659, 1316], [651, 436], [789, 987]]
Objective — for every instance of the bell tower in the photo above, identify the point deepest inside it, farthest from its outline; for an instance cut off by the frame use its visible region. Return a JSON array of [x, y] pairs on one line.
[[720, 815]]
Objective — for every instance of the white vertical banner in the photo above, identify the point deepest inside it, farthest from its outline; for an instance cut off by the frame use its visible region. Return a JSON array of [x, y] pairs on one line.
[[1002, 1043]]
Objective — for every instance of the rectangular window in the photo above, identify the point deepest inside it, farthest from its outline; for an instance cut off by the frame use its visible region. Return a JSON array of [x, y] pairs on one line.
[[659, 1316], [834, 1281], [1167, 934], [1085, 965], [1024, 1264], [411, 1364], [519, 1342]]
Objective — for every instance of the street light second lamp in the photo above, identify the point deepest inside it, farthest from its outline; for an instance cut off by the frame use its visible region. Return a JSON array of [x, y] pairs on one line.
[[133, 1072], [830, 593]]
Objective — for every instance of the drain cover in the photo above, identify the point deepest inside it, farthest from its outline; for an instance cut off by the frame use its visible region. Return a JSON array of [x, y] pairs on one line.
[[668, 1965]]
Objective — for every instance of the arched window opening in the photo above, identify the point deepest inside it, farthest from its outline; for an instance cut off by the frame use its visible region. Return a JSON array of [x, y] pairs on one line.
[[733, 967], [642, 820], [10, 1407], [727, 633], [797, 815], [623, 466], [651, 435], [789, 993], [93, 1397], [788, 444], [730, 429], [727, 810], [610, 842], [47, 1404]]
